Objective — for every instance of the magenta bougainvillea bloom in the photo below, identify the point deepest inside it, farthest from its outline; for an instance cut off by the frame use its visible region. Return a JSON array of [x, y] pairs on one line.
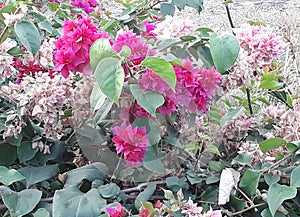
[[187, 77], [149, 29], [30, 69], [209, 78], [87, 5], [72, 49], [116, 212], [139, 49], [132, 142]]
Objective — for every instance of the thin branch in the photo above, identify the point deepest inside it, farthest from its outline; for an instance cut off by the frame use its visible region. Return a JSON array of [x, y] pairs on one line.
[[276, 164], [141, 186], [242, 211]]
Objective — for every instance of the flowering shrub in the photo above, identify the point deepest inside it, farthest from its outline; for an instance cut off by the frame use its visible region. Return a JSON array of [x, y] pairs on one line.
[[142, 114]]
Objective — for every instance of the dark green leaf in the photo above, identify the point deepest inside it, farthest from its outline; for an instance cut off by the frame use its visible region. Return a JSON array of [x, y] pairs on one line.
[[277, 194], [28, 35], [216, 166], [8, 154], [249, 182], [242, 159], [110, 76], [8, 177], [38, 174], [26, 152], [20, 203], [149, 100], [271, 144], [205, 56], [224, 50], [162, 68]]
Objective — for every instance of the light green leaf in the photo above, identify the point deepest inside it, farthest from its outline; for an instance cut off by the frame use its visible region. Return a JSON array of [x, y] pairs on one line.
[[242, 159], [249, 182], [216, 166], [212, 149], [109, 190], [45, 25], [271, 144], [97, 98], [295, 177], [162, 68], [145, 195], [148, 99], [272, 85], [110, 77], [224, 50], [266, 213], [271, 179], [89, 172], [38, 174], [167, 9], [28, 35], [72, 202], [99, 50], [41, 212], [277, 194], [8, 177], [20, 203], [231, 114]]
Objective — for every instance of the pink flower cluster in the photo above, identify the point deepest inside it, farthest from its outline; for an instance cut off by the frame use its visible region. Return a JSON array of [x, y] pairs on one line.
[[132, 142], [29, 69], [191, 209], [116, 212], [261, 44], [87, 5], [72, 49], [139, 49]]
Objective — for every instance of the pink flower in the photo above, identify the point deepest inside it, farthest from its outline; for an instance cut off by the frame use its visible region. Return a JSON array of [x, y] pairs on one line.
[[132, 142], [144, 213], [30, 69], [187, 76], [210, 79], [116, 212], [214, 213], [87, 5], [72, 49], [261, 44], [139, 49], [152, 81], [127, 114], [149, 29]]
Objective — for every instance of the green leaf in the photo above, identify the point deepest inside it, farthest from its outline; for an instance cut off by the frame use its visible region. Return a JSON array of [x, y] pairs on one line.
[[175, 184], [205, 56], [99, 50], [110, 77], [109, 191], [193, 177], [266, 213], [45, 25], [271, 144], [125, 51], [26, 152], [167, 9], [41, 212], [224, 50], [271, 179], [242, 159], [163, 69], [277, 194], [291, 147], [8, 177], [126, 172], [295, 177], [8, 154], [212, 149], [272, 85], [249, 182], [89, 172], [28, 35], [72, 202], [164, 44], [152, 129], [145, 195], [148, 99], [20, 203], [231, 114], [38, 174], [216, 166], [152, 161]]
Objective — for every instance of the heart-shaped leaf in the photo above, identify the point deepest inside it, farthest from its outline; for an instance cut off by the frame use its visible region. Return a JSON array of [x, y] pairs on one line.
[[8, 177]]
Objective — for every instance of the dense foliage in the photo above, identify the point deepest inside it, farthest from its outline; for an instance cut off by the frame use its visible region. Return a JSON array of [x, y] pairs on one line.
[[140, 113]]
